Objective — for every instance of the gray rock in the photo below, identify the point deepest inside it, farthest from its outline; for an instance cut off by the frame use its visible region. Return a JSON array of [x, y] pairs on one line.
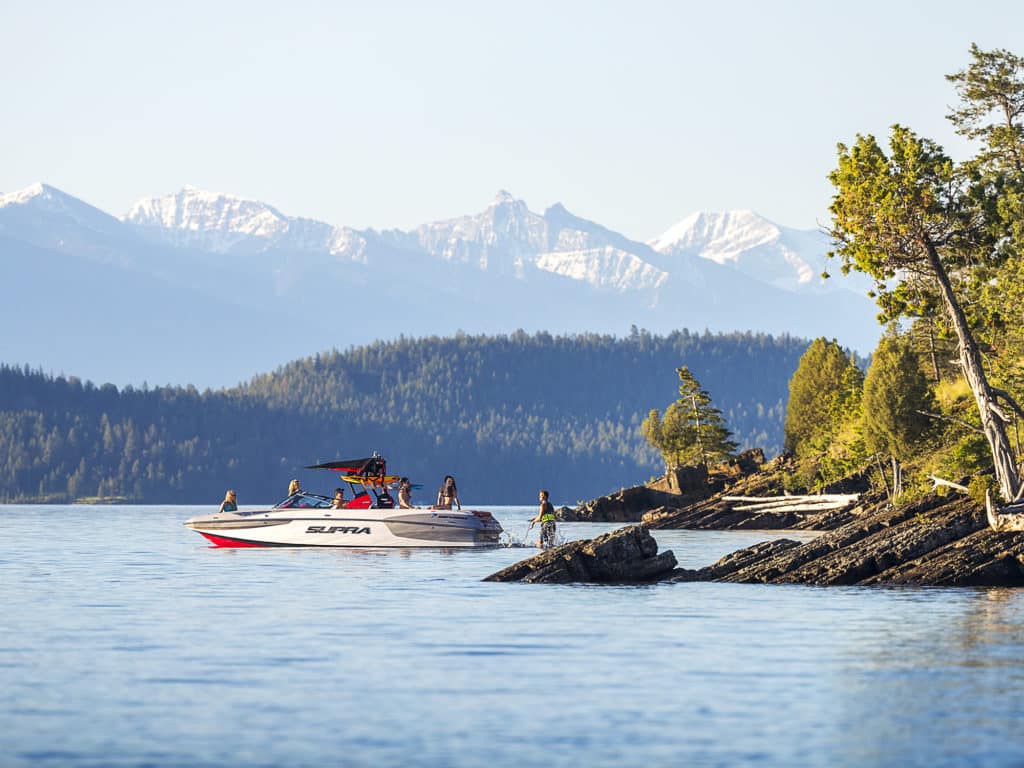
[[625, 506], [625, 556], [936, 541]]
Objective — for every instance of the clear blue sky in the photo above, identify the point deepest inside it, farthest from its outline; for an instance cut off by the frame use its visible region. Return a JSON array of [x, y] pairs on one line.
[[391, 114]]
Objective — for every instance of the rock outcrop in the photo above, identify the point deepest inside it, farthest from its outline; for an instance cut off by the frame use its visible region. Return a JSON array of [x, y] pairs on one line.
[[721, 511], [935, 541], [625, 506], [679, 488], [626, 556], [698, 498]]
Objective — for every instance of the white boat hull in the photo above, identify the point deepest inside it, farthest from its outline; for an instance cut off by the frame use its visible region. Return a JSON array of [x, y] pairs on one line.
[[349, 528]]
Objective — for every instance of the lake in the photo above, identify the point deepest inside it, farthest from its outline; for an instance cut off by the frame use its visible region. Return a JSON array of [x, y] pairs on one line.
[[127, 641]]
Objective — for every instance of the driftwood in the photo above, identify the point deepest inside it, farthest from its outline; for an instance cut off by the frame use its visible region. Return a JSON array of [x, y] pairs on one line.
[[948, 483], [845, 497], [818, 503]]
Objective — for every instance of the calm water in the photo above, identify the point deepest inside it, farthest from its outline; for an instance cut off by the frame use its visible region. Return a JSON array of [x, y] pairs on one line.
[[125, 640]]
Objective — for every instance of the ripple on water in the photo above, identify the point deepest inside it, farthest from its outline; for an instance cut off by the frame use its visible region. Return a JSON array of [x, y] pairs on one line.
[[173, 653]]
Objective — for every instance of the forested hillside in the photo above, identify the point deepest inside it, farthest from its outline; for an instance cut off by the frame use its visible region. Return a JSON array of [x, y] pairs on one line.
[[504, 414]]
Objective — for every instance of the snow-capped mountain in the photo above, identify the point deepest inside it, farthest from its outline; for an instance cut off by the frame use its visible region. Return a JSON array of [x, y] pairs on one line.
[[503, 237], [219, 223], [56, 211], [506, 238], [793, 260], [210, 288]]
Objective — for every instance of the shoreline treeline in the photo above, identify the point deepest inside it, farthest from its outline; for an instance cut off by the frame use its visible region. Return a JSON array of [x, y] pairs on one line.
[[506, 414]]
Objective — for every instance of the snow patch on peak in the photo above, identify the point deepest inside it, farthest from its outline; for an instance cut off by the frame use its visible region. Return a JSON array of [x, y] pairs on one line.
[[605, 268], [221, 223], [721, 236], [40, 199], [37, 190], [22, 195], [199, 210], [746, 241]]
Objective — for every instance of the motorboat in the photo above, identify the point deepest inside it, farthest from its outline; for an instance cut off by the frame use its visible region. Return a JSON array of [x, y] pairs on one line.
[[371, 518]]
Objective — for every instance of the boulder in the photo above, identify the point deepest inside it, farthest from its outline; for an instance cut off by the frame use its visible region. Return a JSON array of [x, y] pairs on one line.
[[681, 481], [625, 556], [625, 506]]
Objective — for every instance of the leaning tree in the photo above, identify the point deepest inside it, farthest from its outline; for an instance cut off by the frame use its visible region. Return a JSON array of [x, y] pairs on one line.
[[922, 226]]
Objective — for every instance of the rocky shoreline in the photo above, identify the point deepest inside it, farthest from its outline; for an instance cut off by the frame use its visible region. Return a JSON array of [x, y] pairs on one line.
[[936, 541], [718, 499]]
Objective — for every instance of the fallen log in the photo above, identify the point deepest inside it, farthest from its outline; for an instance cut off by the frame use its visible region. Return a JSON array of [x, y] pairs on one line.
[[844, 497], [817, 503], [783, 507]]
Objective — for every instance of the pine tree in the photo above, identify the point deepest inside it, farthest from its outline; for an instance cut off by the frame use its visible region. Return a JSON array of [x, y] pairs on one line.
[[692, 431], [895, 394], [824, 389]]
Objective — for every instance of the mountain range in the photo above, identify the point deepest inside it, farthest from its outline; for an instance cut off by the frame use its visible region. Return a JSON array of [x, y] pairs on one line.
[[208, 288]]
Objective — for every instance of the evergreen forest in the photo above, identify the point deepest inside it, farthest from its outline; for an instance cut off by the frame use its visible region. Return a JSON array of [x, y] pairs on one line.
[[505, 414]]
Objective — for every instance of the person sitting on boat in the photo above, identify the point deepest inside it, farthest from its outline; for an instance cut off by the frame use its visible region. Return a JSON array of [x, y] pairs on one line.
[[546, 518], [230, 503], [339, 499], [293, 487], [448, 494], [405, 494]]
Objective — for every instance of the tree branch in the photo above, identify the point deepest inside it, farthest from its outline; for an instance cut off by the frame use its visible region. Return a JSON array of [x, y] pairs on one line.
[[1004, 395], [950, 418], [998, 412]]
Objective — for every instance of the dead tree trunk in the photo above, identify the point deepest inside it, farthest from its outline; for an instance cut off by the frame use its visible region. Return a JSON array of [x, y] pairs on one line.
[[885, 480], [931, 349], [992, 419]]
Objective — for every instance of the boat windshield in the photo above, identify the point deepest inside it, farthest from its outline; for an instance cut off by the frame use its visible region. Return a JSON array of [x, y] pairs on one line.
[[305, 500]]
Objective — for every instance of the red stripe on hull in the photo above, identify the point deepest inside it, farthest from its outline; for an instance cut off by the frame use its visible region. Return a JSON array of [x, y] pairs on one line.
[[220, 541]]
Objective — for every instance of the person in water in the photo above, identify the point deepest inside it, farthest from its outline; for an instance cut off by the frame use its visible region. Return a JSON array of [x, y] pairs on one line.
[[230, 503], [293, 487], [546, 518], [339, 499], [405, 494], [448, 494]]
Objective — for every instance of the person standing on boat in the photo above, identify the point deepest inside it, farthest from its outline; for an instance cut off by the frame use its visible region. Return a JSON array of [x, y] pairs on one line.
[[546, 518], [448, 494], [405, 494], [230, 503]]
